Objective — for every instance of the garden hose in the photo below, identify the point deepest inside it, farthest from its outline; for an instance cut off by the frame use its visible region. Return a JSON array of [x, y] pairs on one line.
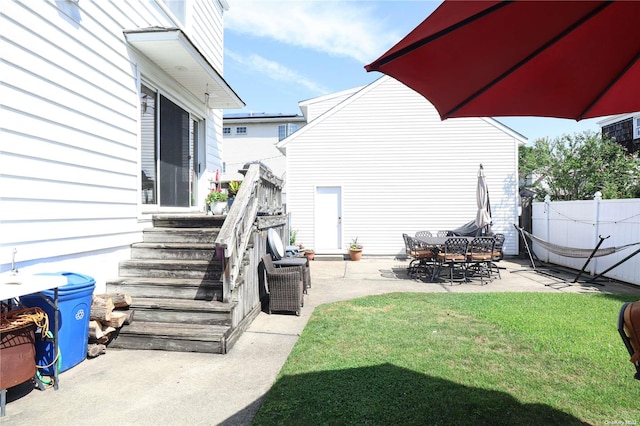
[[57, 359]]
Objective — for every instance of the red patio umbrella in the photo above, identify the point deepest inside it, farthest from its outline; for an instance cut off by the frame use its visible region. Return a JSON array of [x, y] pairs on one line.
[[566, 59]]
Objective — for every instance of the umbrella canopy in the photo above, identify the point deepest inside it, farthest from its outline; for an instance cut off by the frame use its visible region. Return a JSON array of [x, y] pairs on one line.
[[566, 59], [483, 217]]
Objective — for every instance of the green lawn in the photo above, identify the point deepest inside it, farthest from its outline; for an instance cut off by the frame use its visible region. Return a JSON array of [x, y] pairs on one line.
[[459, 359]]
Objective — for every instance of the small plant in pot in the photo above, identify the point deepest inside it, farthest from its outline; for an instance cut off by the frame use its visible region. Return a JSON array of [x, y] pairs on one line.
[[309, 253], [216, 201], [232, 190], [355, 249]]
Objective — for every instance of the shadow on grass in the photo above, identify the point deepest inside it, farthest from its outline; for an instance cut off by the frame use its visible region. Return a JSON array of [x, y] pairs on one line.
[[391, 395]]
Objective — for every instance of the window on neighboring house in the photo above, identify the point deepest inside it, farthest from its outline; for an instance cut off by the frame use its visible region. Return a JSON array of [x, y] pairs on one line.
[[226, 130], [241, 130], [636, 127], [285, 130]]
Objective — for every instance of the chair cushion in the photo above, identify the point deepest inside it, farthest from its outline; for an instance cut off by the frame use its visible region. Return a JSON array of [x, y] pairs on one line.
[[451, 256], [276, 248], [480, 256]]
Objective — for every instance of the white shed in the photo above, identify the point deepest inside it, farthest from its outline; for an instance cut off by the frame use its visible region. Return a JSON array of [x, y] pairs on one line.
[[112, 111], [381, 163]]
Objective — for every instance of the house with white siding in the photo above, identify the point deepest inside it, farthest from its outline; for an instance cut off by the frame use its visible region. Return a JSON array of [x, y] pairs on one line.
[[378, 162], [111, 112], [252, 137]]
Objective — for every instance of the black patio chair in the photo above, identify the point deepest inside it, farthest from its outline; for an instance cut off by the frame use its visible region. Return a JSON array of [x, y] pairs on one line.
[[453, 255], [423, 234], [422, 256], [479, 258], [498, 253]]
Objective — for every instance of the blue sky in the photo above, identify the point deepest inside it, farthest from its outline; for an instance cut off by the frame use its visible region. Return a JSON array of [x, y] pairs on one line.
[[278, 53]]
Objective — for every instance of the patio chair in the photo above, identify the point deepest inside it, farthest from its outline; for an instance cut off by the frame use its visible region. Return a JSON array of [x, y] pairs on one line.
[[498, 254], [442, 234], [422, 256], [629, 329], [423, 234], [276, 249], [284, 286], [454, 256], [479, 257]]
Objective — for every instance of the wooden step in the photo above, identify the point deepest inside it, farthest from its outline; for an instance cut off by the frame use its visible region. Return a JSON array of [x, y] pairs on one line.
[[173, 250], [185, 288], [182, 311], [172, 337], [158, 268], [180, 235], [195, 220]]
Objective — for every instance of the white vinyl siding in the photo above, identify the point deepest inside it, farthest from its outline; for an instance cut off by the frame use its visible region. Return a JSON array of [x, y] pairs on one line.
[[313, 108], [69, 149], [401, 169]]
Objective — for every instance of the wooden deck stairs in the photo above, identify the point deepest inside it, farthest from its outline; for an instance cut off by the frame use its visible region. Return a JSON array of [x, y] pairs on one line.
[[174, 279]]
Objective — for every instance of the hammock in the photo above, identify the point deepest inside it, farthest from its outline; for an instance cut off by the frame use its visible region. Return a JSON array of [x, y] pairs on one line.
[[573, 251]]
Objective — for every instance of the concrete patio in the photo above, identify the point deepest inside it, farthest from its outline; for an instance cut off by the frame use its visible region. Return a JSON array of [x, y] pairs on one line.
[[125, 387]]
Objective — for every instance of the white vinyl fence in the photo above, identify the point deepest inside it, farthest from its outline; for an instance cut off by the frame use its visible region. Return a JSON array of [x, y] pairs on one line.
[[579, 224]]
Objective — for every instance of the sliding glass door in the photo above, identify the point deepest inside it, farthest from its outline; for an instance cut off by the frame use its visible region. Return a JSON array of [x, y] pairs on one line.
[[169, 136]]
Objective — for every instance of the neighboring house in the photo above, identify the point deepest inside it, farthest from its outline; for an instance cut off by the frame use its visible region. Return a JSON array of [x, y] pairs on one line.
[[112, 111], [313, 108], [252, 137], [380, 163], [624, 128]]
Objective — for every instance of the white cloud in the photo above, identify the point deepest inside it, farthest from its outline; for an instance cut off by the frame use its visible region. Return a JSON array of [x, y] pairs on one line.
[[276, 71], [339, 28]]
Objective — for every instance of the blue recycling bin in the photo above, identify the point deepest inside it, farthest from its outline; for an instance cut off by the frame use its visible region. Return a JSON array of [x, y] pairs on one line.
[[74, 304]]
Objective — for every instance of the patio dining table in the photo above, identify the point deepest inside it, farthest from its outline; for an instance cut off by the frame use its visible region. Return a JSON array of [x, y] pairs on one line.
[[439, 241]]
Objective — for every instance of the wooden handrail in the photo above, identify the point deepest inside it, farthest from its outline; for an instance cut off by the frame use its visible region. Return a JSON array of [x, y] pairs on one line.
[[259, 194]]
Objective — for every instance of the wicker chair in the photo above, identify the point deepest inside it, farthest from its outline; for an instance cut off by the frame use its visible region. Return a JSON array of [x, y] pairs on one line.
[[454, 257], [285, 287], [276, 249], [479, 257]]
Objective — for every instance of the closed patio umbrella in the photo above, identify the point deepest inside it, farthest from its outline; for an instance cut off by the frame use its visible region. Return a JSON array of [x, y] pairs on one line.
[[483, 217], [566, 59]]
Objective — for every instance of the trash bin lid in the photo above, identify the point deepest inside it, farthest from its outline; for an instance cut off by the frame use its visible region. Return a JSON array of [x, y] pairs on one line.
[[74, 279]]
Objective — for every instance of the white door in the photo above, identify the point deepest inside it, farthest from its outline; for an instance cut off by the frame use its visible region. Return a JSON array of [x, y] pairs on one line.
[[328, 219]]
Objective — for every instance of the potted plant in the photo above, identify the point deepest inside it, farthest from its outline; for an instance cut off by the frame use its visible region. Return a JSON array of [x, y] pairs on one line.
[[355, 250], [216, 201], [232, 191], [309, 253]]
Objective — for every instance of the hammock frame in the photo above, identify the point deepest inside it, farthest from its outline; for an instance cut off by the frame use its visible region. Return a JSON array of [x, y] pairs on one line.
[[574, 252]]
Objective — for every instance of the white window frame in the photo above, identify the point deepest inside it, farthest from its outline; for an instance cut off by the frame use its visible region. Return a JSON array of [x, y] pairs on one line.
[[636, 127], [226, 130], [285, 130], [241, 130]]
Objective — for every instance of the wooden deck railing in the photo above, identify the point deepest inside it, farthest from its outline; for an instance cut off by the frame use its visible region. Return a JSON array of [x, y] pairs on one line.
[[241, 242]]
